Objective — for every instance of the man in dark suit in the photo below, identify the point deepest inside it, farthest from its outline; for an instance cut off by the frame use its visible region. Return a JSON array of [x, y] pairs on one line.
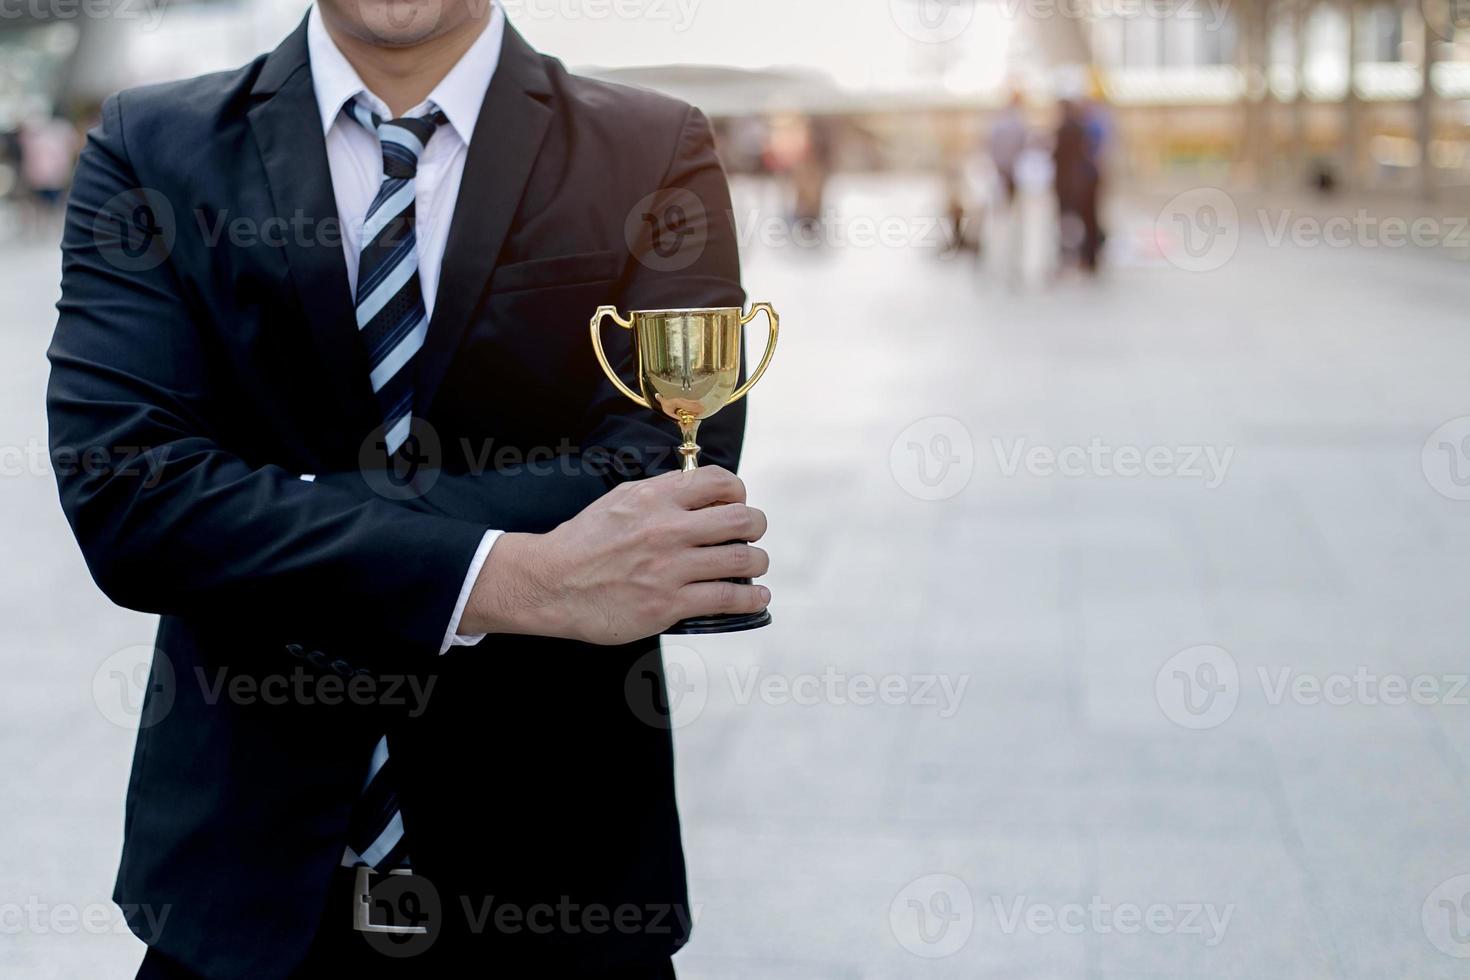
[[411, 550]]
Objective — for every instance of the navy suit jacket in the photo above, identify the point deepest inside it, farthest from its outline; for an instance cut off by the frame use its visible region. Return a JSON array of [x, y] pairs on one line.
[[206, 324]]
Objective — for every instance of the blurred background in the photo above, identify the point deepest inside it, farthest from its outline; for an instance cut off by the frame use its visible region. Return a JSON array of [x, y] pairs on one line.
[[1117, 457]]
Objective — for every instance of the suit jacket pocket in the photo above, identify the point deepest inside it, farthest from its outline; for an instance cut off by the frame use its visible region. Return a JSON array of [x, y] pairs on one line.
[[557, 270]]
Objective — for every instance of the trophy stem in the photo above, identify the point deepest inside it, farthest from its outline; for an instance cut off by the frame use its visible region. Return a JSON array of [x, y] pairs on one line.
[[689, 449]]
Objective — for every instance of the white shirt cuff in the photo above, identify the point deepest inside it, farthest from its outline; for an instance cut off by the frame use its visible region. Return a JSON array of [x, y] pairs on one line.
[[452, 636]]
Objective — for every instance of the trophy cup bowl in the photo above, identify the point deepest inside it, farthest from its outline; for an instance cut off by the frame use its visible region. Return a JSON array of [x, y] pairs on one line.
[[688, 366]]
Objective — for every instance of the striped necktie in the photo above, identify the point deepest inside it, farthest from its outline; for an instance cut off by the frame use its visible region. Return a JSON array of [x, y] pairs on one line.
[[391, 318], [392, 322]]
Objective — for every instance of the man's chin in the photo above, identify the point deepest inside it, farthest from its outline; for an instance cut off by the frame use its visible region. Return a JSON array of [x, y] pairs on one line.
[[400, 23]]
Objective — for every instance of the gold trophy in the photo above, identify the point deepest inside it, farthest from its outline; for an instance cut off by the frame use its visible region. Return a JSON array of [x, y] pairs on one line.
[[688, 364]]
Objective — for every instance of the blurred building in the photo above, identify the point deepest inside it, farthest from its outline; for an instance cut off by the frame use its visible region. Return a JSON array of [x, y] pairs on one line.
[[1368, 93]]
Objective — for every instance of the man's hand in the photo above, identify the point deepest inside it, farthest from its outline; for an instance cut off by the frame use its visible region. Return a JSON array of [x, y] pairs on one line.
[[633, 563]]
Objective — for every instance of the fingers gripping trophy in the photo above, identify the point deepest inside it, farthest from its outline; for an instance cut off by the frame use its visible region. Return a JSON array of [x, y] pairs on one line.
[[688, 365]]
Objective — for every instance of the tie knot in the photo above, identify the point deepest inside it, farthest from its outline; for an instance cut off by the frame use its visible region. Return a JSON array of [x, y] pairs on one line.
[[402, 140]]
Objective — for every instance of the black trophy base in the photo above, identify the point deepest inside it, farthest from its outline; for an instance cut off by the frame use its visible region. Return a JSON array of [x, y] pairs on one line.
[[728, 623], [724, 622]]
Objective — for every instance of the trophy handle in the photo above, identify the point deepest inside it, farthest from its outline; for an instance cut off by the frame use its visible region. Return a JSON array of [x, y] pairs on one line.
[[607, 368], [760, 369]]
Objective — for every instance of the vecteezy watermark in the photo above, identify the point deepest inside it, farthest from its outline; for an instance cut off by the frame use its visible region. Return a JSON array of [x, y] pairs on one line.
[[1208, 464], [932, 21], [834, 229], [672, 690], [135, 230], [933, 459], [411, 469], [1445, 459], [1199, 230], [569, 917], [1214, 14], [35, 458], [1362, 229], [667, 231], [148, 11], [1361, 686], [304, 686], [839, 688], [137, 686], [678, 14], [1445, 917], [1200, 687], [134, 687], [1101, 918], [420, 460], [402, 915], [401, 21], [41, 918], [399, 914], [932, 916]]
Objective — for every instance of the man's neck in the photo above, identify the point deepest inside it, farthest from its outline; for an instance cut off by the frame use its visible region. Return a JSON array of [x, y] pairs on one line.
[[403, 77]]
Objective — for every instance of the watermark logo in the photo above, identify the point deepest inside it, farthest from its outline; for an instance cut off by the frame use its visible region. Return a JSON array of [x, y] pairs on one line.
[[39, 917], [408, 473], [400, 915], [1212, 14], [1100, 917], [1445, 459], [1446, 917], [1198, 687], [1198, 230], [673, 696], [932, 21], [679, 14], [1364, 687], [1207, 464], [135, 687], [834, 687], [1361, 229], [400, 21], [833, 229], [933, 916], [149, 11], [1201, 687], [933, 459], [569, 917], [666, 231], [135, 230]]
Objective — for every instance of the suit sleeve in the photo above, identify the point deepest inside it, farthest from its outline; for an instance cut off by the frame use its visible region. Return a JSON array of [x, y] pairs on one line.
[[189, 528], [686, 257]]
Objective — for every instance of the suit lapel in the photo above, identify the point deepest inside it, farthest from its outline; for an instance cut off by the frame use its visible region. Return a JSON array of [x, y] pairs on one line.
[[287, 128], [503, 148]]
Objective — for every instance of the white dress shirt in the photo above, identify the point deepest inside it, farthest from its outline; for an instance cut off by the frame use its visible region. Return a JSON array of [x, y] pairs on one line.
[[356, 164]]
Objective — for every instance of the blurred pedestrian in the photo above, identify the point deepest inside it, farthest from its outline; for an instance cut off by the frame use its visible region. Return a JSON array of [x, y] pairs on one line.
[[1006, 146], [1007, 142], [809, 174], [1077, 175], [48, 149]]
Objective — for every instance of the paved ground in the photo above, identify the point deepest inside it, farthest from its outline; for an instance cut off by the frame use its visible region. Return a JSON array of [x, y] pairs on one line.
[[1021, 716]]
